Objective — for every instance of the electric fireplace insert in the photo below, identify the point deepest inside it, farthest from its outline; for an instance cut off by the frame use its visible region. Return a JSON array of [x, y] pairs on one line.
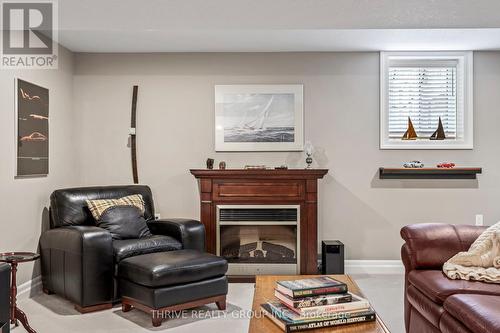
[[259, 239]]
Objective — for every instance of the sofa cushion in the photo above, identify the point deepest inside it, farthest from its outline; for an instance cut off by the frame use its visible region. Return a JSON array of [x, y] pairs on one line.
[[171, 268], [133, 247], [435, 285], [479, 313], [124, 222], [98, 206]]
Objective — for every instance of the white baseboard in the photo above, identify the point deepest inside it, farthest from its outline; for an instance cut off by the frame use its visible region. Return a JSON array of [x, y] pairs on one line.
[[374, 267], [29, 288]]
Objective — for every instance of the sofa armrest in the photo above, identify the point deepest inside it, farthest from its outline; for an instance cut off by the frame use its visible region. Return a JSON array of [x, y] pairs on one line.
[[190, 233], [77, 263], [4, 297], [430, 245]]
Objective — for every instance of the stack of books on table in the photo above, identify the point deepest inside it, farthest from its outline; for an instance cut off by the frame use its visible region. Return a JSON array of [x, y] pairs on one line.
[[315, 303]]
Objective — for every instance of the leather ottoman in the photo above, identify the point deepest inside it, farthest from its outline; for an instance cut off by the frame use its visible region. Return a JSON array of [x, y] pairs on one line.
[[159, 283]]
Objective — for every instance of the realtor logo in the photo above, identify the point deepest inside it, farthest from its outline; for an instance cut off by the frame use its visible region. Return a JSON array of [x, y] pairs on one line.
[[28, 35]]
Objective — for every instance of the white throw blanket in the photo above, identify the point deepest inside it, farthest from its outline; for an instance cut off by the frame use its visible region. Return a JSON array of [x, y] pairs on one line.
[[481, 262]]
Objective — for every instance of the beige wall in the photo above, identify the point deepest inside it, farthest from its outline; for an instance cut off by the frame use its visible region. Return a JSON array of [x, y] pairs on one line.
[[90, 118], [22, 201], [176, 125]]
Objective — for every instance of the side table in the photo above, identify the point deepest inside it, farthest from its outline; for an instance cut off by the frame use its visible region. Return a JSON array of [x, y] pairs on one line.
[[14, 258]]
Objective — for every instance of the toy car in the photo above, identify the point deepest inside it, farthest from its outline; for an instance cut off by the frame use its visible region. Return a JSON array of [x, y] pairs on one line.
[[447, 165], [35, 136], [413, 164]]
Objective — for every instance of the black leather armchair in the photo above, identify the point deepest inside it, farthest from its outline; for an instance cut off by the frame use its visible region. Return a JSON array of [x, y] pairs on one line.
[[5, 298], [79, 259]]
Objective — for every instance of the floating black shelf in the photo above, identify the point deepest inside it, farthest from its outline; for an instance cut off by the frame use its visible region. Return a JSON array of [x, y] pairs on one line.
[[429, 173]]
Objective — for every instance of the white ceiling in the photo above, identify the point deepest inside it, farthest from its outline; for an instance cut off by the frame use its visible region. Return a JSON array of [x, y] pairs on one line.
[[278, 25]]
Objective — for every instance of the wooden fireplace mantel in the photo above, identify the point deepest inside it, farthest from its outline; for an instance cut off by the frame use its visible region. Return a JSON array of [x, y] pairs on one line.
[[257, 187]]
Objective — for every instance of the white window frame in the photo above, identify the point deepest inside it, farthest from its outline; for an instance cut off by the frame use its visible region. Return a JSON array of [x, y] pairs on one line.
[[464, 138]]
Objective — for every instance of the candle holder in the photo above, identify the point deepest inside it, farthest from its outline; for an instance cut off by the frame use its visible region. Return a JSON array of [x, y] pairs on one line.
[[309, 149], [309, 161]]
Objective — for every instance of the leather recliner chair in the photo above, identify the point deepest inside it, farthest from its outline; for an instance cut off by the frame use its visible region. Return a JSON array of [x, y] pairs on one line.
[[5, 298], [79, 259], [435, 303]]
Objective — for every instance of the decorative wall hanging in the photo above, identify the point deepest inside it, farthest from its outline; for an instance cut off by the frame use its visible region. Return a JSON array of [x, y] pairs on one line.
[[410, 133], [133, 138], [32, 129], [259, 117], [439, 133]]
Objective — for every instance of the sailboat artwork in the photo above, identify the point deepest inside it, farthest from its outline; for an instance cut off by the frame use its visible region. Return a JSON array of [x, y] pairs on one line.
[[259, 117]]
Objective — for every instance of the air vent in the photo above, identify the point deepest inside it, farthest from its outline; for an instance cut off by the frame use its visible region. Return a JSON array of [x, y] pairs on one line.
[[257, 214]]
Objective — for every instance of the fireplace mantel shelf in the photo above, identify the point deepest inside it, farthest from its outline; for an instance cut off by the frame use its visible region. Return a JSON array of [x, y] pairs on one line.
[[263, 187], [268, 173]]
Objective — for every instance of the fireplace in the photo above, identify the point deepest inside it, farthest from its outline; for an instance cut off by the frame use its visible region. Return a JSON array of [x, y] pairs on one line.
[[259, 239], [262, 221]]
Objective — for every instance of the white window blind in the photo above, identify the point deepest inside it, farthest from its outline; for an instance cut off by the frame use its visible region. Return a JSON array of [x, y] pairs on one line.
[[424, 93]]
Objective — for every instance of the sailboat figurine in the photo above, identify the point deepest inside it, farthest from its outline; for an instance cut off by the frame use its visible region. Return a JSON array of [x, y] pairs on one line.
[[410, 133], [439, 133]]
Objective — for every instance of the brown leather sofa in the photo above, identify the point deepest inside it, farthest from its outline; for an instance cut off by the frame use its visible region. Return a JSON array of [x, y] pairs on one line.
[[434, 303]]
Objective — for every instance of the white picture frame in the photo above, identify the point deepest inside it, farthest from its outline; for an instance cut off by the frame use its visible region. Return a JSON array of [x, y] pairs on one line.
[[259, 117]]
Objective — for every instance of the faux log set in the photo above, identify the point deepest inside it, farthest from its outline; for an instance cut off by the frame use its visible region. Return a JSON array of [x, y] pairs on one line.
[[250, 253]]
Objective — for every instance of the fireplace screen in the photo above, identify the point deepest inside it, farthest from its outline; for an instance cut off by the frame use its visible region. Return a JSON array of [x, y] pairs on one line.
[[259, 243]]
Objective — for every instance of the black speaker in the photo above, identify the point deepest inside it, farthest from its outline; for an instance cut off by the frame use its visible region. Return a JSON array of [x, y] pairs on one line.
[[332, 257]]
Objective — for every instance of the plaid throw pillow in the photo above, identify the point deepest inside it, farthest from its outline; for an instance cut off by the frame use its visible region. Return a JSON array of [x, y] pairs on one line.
[[98, 207]]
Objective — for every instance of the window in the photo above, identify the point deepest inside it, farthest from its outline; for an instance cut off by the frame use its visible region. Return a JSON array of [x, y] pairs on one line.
[[426, 87]]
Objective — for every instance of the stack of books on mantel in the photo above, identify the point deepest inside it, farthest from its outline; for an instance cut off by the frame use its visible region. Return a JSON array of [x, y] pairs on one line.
[[315, 303]]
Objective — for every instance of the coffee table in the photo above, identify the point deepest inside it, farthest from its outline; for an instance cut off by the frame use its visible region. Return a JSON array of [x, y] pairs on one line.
[[264, 291]]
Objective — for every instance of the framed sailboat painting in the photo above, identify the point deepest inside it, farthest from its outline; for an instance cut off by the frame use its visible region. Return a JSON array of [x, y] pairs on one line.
[[259, 117]]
